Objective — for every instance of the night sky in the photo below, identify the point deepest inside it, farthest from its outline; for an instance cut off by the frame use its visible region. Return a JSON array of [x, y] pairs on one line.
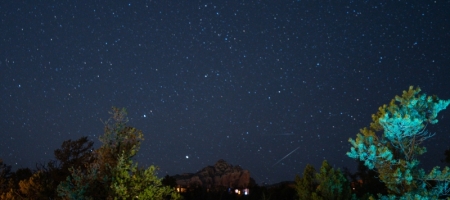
[[268, 85]]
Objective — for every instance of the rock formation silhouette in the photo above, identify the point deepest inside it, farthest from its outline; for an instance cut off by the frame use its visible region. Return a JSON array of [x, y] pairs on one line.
[[221, 174]]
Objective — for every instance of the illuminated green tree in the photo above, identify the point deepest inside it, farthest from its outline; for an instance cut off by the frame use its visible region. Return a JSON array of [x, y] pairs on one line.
[[130, 182], [393, 153], [112, 175], [83, 184], [333, 184], [327, 184], [118, 139], [307, 184]]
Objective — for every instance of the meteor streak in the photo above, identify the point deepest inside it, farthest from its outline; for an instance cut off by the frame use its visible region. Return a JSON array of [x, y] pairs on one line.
[[286, 156], [287, 134]]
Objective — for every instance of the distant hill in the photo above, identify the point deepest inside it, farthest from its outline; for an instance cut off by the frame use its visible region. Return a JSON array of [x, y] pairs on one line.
[[221, 174]]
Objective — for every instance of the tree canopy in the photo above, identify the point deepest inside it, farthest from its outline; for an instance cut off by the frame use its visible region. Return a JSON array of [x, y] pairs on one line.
[[81, 172], [392, 142], [113, 175], [327, 184]]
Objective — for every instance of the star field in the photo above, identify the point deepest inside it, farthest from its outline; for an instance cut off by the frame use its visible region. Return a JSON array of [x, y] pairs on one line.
[[270, 86]]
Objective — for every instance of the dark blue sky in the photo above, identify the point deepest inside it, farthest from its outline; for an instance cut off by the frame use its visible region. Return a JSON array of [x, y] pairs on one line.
[[244, 81]]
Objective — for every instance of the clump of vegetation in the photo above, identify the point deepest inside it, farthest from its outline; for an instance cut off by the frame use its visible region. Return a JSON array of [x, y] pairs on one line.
[[81, 172], [328, 183]]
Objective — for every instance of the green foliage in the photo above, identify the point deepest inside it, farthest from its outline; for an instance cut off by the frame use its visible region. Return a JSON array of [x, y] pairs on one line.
[[112, 174], [44, 182], [129, 182], [307, 184], [79, 185], [333, 184], [327, 184], [403, 125], [118, 139]]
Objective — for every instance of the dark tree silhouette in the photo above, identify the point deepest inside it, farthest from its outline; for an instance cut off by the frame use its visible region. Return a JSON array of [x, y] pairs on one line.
[[75, 154], [12, 188], [447, 156], [5, 173], [365, 182], [169, 181]]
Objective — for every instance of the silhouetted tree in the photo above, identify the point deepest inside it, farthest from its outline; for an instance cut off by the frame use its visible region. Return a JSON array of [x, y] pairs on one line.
[[283, 191], [169, 181], [43, 182], [447, 157], [5, 173], [12, 190], [38, 186], [76, 154], [365, 182], [72, 154]]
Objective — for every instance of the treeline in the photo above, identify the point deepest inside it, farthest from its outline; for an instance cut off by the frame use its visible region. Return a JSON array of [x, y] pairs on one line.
[[387, 152], [81, 172]]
